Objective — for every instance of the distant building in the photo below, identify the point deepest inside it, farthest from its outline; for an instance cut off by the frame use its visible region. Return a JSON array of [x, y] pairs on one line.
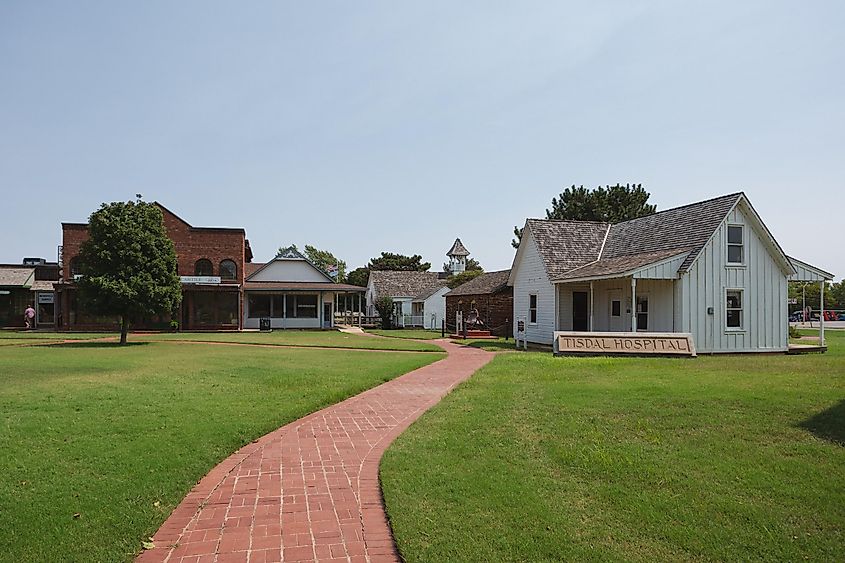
[[457, 257], [210, 262], [490, 295], [710, 268], [293, 292], [24, 284], [417, 296]]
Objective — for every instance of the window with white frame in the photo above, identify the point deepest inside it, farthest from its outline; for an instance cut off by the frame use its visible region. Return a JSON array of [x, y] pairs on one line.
[[532, 308], [736, 248], [733, 309]]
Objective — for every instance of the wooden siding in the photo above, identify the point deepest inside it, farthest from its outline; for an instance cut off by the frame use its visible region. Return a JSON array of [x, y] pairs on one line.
[[764, 293], [287, 270], [529, 277], [807, 273], [666, 270], [661, 301]]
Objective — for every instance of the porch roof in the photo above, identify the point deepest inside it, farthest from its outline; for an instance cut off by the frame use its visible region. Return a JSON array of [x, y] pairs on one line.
[[17, 277], [661, 264], [303, 286], [807, 272]]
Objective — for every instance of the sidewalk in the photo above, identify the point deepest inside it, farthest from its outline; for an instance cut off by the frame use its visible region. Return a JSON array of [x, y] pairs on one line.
[[309, 491]]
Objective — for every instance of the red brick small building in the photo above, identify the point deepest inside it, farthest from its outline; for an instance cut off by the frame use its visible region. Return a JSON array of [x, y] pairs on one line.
[[211, 263], [490, 294]]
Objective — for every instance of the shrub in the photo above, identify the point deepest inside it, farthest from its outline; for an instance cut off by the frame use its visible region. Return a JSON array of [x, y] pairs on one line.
[[384, 306], [794, 332]]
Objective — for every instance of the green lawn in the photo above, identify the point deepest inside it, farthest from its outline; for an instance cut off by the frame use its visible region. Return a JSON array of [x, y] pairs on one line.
[[415, 333], [308, 338], [120, 435], [537, 458]]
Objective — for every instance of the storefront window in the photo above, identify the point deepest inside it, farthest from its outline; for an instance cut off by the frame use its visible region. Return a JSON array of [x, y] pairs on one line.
[[301, 306], [228, 270], [227, 308], [203, 308], [259, 306], [278, 307]]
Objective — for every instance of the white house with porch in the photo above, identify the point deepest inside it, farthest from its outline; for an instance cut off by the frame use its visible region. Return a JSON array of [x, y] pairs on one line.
[[418, 297], [293, 292], [711, 269]]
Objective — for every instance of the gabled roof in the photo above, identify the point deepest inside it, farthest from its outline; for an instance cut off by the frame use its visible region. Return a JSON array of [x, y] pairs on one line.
[[397, 283], [458, 249], [289, 253], [565, 245], [16, 276], [252, 267], [622, 265], [486, 283], [686, 227], [807, 272], [425, 294]]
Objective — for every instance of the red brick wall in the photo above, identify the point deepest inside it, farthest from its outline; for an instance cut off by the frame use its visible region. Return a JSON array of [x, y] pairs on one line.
[[191, 245], [495, 309]]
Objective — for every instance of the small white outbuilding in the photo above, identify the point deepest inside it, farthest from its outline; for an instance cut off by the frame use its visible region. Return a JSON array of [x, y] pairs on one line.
[[711, 269]]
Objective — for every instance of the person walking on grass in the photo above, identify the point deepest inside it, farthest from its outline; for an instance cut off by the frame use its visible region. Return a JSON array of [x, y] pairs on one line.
[[29, 317]]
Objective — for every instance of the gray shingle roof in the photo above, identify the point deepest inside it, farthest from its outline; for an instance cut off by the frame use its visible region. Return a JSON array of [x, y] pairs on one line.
[[565, 245], [689, 226], [404, 284], [458, 249], [488, 282], [425, 294], [619, 264], [16, 276]]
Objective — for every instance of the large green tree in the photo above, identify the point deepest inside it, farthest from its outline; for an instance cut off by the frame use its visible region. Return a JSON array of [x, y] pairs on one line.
[[611, 204], [128, 264], [359, 276], [391, 261]]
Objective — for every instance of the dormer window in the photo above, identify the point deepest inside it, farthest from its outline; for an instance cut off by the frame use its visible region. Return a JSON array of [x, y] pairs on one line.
[[203, 267], [736, 248]]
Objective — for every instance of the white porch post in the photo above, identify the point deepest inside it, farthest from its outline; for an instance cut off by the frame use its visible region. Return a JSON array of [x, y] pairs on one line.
[[360, 321], [633, 304], [821, 313], [592, 329]]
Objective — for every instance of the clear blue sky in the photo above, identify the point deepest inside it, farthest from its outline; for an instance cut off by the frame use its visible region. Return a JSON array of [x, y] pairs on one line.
[[367, 126]]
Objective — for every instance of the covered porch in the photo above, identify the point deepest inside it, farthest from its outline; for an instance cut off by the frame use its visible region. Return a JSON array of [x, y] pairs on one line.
[[302, 305], [807, 274], [627, 294]]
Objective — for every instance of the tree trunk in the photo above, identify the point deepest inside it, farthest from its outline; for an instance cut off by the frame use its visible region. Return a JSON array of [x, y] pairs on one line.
[[124, 329]]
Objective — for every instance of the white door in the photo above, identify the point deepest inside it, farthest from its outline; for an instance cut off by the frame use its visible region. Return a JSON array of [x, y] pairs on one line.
[[616, 318]]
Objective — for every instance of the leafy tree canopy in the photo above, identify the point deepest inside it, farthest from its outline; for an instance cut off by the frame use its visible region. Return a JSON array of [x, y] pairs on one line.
[[128, 264], [323, 259], [611, 204], [391, 261], [358, 276]]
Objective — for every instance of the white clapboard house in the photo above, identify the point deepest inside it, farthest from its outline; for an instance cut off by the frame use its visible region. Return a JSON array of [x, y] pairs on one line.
[[292, 292], [418, 297], [711, 269]]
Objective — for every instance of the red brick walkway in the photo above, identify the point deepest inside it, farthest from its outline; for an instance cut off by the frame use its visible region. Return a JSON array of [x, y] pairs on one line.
[[309, 491]]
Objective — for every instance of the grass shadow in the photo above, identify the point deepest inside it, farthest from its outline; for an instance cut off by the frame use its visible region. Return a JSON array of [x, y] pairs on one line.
[[828, 425], [96, 344]]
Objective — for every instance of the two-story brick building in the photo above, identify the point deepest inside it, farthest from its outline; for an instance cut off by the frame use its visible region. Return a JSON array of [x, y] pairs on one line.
[[211, 263]]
